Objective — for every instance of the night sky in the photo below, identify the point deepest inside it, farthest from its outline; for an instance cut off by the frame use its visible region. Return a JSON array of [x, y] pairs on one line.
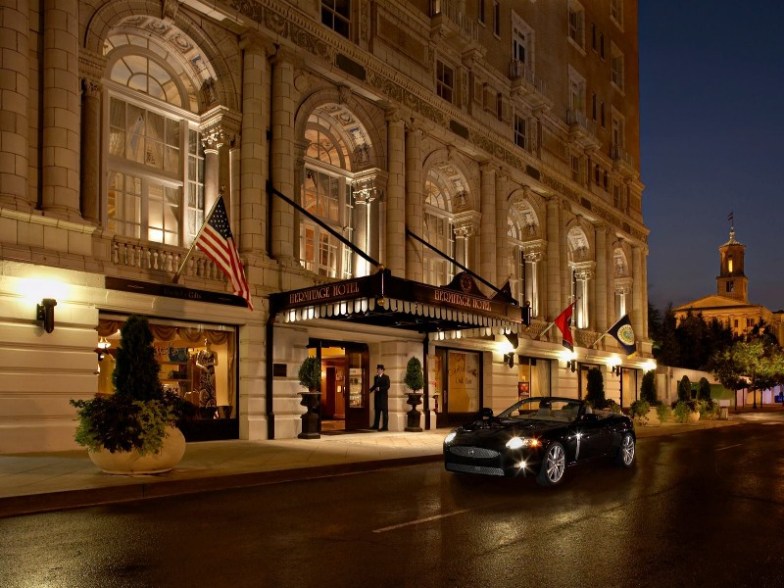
[[712, 142]]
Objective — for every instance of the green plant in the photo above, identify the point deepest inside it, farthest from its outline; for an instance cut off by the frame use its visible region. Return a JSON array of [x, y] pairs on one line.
[[648, 388], [664, 412], [704, 390], [137, 414], [681, 411], [414, 379], [595, 388], [639, 409], [684, 389], [310, 373]]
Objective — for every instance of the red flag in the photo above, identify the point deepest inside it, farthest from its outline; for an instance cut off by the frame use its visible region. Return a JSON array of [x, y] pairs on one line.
[[217, 243], [564, 322]]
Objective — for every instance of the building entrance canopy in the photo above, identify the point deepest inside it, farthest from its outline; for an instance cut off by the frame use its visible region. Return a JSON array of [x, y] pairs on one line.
[[382, 299]]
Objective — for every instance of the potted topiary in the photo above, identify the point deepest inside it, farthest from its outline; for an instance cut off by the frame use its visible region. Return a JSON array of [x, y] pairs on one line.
[[310, 378], [133, 430], [415, 381]]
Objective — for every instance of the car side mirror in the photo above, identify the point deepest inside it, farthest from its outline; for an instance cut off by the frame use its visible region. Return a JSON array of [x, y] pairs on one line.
[[486, 413]]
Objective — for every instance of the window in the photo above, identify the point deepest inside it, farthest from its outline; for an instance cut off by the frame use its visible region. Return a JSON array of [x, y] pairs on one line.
[[730, 286], [336, 14], [617, 131], [481, 10], [496, 18], [438, 232], [616, 12], [522, 46], [616, 65], [575, 168], [594, 103], [155, 158], [520, 132], [577, 92], [445, 81], [499, 105], [576, 23]]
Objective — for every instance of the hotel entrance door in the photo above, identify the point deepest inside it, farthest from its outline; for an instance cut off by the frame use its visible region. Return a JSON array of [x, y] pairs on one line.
[[345, 404]]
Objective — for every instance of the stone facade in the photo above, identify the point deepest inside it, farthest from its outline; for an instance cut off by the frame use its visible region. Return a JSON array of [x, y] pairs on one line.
[[507, 141]]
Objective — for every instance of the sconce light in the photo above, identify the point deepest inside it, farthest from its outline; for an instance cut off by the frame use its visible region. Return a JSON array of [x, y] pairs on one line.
[[616, 370], [45, 314], [571, 364], [101, 347], [509, 359]]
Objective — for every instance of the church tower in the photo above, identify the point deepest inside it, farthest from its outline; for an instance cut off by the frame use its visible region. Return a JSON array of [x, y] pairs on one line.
[[732, 282]]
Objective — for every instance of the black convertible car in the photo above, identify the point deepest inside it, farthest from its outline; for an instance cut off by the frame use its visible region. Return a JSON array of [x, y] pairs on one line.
[[539, 436]]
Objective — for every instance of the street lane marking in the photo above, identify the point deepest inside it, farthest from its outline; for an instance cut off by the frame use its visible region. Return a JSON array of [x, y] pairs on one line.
[[730, 446], [419, 521]]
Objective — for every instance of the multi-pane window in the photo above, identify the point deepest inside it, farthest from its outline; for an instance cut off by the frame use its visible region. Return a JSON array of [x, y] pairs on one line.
[[576, 19], [481, 10], [575, 159], [496, 18], [616, 68], [336, 14], [616, 12], [520, 132], [154, 156], [445, 81], [438, 229]]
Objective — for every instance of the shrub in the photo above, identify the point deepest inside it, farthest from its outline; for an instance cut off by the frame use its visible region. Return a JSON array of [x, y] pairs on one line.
[[648, 388], [595, 388], [664, 412], [704, 390], [414, 379], [681, 411], [684, 389], [310, 373], [639, 408]]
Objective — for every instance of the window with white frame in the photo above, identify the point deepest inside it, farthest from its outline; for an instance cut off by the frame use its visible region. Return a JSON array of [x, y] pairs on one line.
[[325, 193], [438, 232], [522, 46], [577, 91], [616, 12], [336, 14], [617, 67], [618, 125], [496, 18], [576, 18], [521, 132], [445, 81], [155, 187]]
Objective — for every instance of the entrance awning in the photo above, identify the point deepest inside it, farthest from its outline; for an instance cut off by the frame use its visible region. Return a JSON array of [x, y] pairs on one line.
[[382, 299]]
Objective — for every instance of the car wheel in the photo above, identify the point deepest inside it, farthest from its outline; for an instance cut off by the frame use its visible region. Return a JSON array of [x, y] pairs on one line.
[[553, 465], [625, 455]]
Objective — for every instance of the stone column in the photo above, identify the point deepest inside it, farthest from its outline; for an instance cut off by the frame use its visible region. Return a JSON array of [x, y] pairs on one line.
[[639, 304], [282, 157], [60, 144], [555, 297], [365, 193], [501, 229], [414, 203], [533, 253], [487, 227], [395, 256], [91, 151], [253, 149], [602, 284], [15, 102], [466, 226], [211, 142]]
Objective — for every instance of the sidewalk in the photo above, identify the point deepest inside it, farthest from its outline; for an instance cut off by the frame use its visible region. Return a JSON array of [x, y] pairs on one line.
[[39, 482]]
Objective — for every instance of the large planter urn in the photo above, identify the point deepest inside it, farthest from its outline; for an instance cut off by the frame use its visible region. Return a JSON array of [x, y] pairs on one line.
[[694, 416], [132, 462], [414, 400], [311, 421]]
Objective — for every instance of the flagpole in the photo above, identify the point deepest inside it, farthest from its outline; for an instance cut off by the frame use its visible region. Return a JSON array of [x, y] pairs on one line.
[[543, 333], [600, 338], [176, 277]]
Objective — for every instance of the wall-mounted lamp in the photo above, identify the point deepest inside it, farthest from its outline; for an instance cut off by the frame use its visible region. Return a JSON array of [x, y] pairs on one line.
[[101, 348], [617, 370], [45, 314], [509, 359], [571, 364]]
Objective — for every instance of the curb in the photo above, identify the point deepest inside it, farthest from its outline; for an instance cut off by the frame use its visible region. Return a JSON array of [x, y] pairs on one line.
[[144, 490]]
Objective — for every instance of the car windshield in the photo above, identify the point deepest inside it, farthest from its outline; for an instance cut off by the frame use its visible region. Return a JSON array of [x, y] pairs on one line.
[[543, 409]]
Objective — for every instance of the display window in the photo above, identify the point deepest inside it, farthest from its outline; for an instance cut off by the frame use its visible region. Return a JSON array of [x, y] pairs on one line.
[[533, 377], [197, 362], [455, 379]]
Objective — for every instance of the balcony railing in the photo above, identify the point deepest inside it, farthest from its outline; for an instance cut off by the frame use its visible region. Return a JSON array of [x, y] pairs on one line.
[[621, 157], [447, 14], [153, 257]]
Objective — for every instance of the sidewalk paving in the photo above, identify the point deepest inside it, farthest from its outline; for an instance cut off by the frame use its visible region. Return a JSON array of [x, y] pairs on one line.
[[40, 482]]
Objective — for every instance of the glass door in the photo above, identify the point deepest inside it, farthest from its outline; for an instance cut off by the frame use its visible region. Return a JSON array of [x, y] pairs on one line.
[[356, 384]]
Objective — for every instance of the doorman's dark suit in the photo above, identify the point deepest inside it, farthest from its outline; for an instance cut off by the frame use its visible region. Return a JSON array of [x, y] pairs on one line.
[[381, 398]]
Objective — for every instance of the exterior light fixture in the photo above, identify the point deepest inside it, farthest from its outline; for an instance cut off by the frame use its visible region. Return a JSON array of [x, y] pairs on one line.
[[45, 314], [509, 359]]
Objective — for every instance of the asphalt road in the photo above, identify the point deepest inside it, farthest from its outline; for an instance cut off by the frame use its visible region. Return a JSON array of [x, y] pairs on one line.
[[699, 509]]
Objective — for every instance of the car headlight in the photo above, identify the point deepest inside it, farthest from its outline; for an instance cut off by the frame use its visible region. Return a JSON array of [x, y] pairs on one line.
[[518, 442], [449, 438]]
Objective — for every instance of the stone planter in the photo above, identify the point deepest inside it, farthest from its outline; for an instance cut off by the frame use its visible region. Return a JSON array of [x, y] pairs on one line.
[[311, 420], [694, 416], [133, 463], [414, 400]]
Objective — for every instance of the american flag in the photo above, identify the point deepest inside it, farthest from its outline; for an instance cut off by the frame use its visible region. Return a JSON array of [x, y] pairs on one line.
[[217, 243]]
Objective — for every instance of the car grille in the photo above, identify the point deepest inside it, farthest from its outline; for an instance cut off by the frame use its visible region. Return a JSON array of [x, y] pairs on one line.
[[473, 452], [474, 469]]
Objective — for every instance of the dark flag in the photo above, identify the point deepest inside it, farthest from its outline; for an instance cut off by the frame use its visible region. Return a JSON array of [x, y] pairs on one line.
[[623, 332], [564, 322], [217, 242]]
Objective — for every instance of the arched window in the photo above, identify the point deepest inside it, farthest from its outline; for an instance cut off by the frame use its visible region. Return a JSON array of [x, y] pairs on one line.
[[526, 253], [155, 161], [439, 232]]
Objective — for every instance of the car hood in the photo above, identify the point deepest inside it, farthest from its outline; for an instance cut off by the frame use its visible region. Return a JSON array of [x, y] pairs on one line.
[[493, 428]]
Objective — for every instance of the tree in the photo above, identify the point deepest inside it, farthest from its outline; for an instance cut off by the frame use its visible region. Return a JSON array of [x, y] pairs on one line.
[[751, 364], [414, 379], [595, 388], [704, 390], [648, 388]]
